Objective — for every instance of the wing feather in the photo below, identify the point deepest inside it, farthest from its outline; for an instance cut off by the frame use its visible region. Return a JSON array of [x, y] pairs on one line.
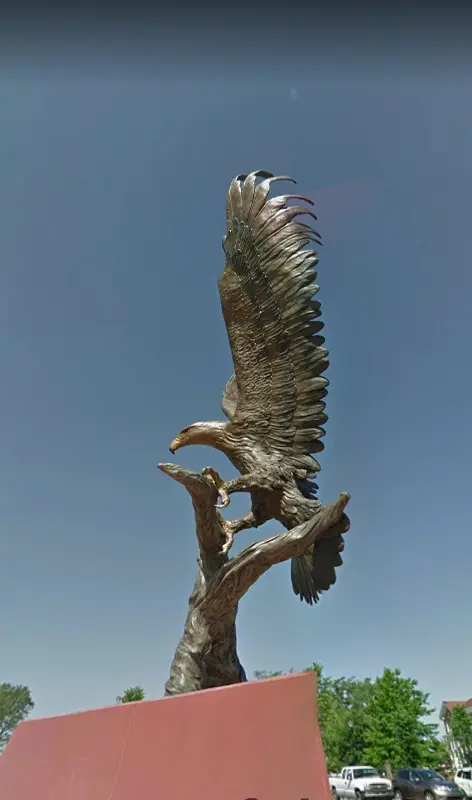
[[267, 295], [230, 397]]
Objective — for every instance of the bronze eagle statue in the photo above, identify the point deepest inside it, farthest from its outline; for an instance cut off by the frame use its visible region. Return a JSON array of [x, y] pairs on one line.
[[274, 402]]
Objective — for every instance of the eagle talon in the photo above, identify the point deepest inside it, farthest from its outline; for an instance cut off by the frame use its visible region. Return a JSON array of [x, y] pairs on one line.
[[225, 498], [213, 474], [222, 494], [228, 544]]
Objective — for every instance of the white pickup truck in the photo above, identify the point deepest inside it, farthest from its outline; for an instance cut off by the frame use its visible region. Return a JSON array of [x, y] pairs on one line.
[[360, 783], [464, 780]]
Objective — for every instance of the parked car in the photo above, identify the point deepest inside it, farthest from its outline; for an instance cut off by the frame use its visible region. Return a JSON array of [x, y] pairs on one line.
[[360, 783], [427, 784], [464, 780]]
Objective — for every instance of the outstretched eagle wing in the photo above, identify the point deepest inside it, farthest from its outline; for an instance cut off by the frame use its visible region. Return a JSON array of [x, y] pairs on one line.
[[267, 290], [276, 395]]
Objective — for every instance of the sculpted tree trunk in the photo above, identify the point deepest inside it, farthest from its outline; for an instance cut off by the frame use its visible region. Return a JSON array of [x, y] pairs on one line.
[[206, 655]]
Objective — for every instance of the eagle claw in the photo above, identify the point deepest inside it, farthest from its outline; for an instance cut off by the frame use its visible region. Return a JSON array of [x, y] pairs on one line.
[[229, 539], [222, 494]]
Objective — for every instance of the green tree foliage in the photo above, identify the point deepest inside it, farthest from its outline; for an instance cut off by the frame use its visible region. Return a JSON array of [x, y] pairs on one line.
[[263, 674], [440, 757], [131, 695], [461, 729], [15, 705], [342, 709], [397, 733], [374, 722]]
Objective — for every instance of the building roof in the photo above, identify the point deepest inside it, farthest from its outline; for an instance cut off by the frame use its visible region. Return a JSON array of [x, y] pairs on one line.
[[448, 705]]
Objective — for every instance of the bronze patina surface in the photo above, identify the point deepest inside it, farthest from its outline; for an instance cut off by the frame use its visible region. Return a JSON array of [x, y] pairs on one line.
[[275, 408]]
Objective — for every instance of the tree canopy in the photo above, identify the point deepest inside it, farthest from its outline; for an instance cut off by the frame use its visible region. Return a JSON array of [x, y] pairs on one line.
[[397, 732], [380, 722], [131, 695], [15, 705]]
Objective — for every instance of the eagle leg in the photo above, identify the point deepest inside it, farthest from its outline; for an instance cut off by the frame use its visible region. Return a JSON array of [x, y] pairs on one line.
[[227, 546], [222, 493], [253, 482], [234, 526]]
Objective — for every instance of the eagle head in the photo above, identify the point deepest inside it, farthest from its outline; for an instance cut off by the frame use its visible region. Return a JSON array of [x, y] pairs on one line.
[[211, 434]]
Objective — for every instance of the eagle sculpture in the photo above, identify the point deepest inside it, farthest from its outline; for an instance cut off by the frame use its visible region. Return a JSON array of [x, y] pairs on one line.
[[274, 402]]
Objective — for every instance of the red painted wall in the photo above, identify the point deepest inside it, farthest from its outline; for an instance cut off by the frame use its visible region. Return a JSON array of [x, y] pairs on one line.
[[255, 740]]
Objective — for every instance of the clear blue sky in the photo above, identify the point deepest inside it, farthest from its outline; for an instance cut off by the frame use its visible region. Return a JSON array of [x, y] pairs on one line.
[[112, 200]]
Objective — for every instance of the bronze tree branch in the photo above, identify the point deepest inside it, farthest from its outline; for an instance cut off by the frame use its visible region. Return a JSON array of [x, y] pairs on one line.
[[206, 655]]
